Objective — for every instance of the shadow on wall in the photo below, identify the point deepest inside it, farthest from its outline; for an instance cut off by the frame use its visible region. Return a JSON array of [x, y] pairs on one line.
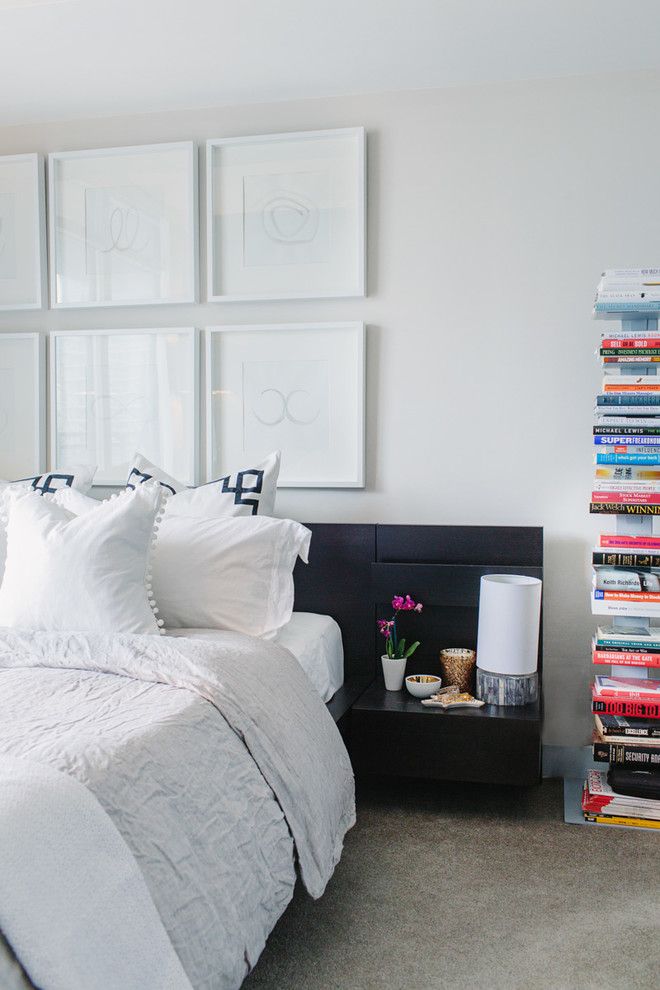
[[567, 629]]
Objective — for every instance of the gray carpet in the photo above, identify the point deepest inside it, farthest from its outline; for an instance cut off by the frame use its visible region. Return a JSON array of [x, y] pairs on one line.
[[464, 886]]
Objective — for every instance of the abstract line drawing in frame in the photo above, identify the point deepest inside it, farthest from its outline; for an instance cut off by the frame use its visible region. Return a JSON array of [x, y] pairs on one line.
[[22, 405], [22, 232], [123, 226], [285, 215], [298, 388], [118, 392]]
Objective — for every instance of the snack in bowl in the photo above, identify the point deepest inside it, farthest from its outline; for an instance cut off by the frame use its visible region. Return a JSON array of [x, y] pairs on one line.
[[422, 685]]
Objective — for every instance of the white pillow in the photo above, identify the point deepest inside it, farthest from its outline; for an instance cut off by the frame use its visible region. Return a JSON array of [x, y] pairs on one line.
[[86, 573], [245, 492], [76, 478], [79, 477], [234, 573]]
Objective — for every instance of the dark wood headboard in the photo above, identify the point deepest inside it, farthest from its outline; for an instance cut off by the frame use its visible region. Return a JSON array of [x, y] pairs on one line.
[[355, 569]]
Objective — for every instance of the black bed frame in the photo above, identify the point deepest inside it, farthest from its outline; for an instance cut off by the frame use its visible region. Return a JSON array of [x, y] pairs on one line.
[[355, 569]]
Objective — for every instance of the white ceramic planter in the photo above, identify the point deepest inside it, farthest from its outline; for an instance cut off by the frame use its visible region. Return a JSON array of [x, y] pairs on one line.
[[393, 671]]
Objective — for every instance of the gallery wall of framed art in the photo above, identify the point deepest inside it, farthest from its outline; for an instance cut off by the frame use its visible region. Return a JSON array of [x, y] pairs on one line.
[[22, 232], [298, 388], [286, 216], [283, 218], [123, 226], [22, 404], [116, 392]]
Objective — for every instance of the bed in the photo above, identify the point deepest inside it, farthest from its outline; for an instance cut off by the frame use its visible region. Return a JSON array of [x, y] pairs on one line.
[[214, 758]]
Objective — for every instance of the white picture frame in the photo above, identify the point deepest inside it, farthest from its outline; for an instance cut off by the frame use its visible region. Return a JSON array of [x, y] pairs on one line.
[[294, 387], [22, 405], [286, 216], [115, 393], [22, 232], [123, 226]]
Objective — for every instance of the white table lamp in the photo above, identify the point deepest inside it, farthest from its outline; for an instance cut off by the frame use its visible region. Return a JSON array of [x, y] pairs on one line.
[[508, 639]]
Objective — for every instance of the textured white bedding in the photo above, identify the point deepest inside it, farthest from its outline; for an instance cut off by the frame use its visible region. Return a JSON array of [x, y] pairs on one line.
[[314, 640], [211, 758]]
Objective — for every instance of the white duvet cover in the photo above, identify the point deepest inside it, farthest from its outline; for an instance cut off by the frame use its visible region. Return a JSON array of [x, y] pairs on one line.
[[314, 640], [215, 761]]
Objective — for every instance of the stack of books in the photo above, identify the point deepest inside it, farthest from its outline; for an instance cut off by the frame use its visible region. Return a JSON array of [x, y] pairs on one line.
[[625, 699], [628, 290], [602, 803], [626, 431]]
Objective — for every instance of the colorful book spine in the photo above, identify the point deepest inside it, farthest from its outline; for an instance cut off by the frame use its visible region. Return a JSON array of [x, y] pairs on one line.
[[636, 459], [626, 472], [627, 728], [626, 306], [620, 541], [632, 597], [620, 821], [627, 688], [620, 658], [616, 439], [628, 411], [619, 558], [612, 399], [627, 755], [633, 425], [637, 385], [630, 343], [627, 497], [628, 509], [629, 709]]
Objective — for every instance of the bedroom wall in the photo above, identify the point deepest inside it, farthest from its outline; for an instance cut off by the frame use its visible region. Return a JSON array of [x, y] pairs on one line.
[[492, 211]]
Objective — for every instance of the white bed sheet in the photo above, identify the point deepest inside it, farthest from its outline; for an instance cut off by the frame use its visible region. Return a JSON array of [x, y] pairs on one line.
[[314, 640]]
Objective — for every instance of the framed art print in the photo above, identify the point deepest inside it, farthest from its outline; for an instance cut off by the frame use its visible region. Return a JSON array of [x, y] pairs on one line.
[[298, 388], [286, 215], [22, 232], [22, 405], [123, 226], [118, 392]]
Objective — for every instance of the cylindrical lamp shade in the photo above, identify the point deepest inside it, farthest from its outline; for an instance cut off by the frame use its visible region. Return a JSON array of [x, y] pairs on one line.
[[509, 621]]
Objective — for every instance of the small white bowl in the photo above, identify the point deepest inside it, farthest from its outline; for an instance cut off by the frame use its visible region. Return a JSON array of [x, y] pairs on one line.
[[423, 688]]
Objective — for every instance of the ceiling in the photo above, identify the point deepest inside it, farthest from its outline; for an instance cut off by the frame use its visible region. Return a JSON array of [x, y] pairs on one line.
[[72, 58]]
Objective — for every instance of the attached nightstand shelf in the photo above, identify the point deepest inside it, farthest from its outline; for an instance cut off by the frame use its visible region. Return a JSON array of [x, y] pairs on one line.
[[354, 571], [393, 734]]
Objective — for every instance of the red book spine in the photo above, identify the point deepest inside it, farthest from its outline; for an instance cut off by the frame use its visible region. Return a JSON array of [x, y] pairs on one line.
[[628, 596], [613, 542], [651, 342], [620, 389], [627, 498], [594, 803], [628, 695], [632, 709], [626, 659]]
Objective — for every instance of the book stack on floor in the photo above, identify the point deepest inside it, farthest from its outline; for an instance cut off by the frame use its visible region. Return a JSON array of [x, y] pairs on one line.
[[626, 563]]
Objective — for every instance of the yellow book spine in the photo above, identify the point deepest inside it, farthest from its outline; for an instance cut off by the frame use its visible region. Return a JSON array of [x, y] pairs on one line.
[[614, 820]]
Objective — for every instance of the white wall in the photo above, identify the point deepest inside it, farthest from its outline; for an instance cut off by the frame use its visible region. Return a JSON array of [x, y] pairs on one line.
[[492, 211]]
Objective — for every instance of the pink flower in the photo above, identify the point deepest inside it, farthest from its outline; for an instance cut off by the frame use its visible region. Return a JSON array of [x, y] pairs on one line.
[[418, 607], [384, 627], [398, 602]]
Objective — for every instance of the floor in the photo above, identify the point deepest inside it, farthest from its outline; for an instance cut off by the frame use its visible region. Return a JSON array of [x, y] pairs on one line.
[[463, 886]]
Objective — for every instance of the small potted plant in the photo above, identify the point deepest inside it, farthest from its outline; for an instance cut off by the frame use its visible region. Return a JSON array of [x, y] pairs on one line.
[[396, 654]]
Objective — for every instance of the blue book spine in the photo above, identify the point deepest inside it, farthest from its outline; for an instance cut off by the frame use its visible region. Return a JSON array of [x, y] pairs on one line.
[[628, 399], [629, 458], [615, 440], [628, 306]]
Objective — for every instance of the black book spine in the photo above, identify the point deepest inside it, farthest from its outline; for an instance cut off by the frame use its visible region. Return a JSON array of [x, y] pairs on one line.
[[624, 509], [628, 755], [627, 431], [614, 558]]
